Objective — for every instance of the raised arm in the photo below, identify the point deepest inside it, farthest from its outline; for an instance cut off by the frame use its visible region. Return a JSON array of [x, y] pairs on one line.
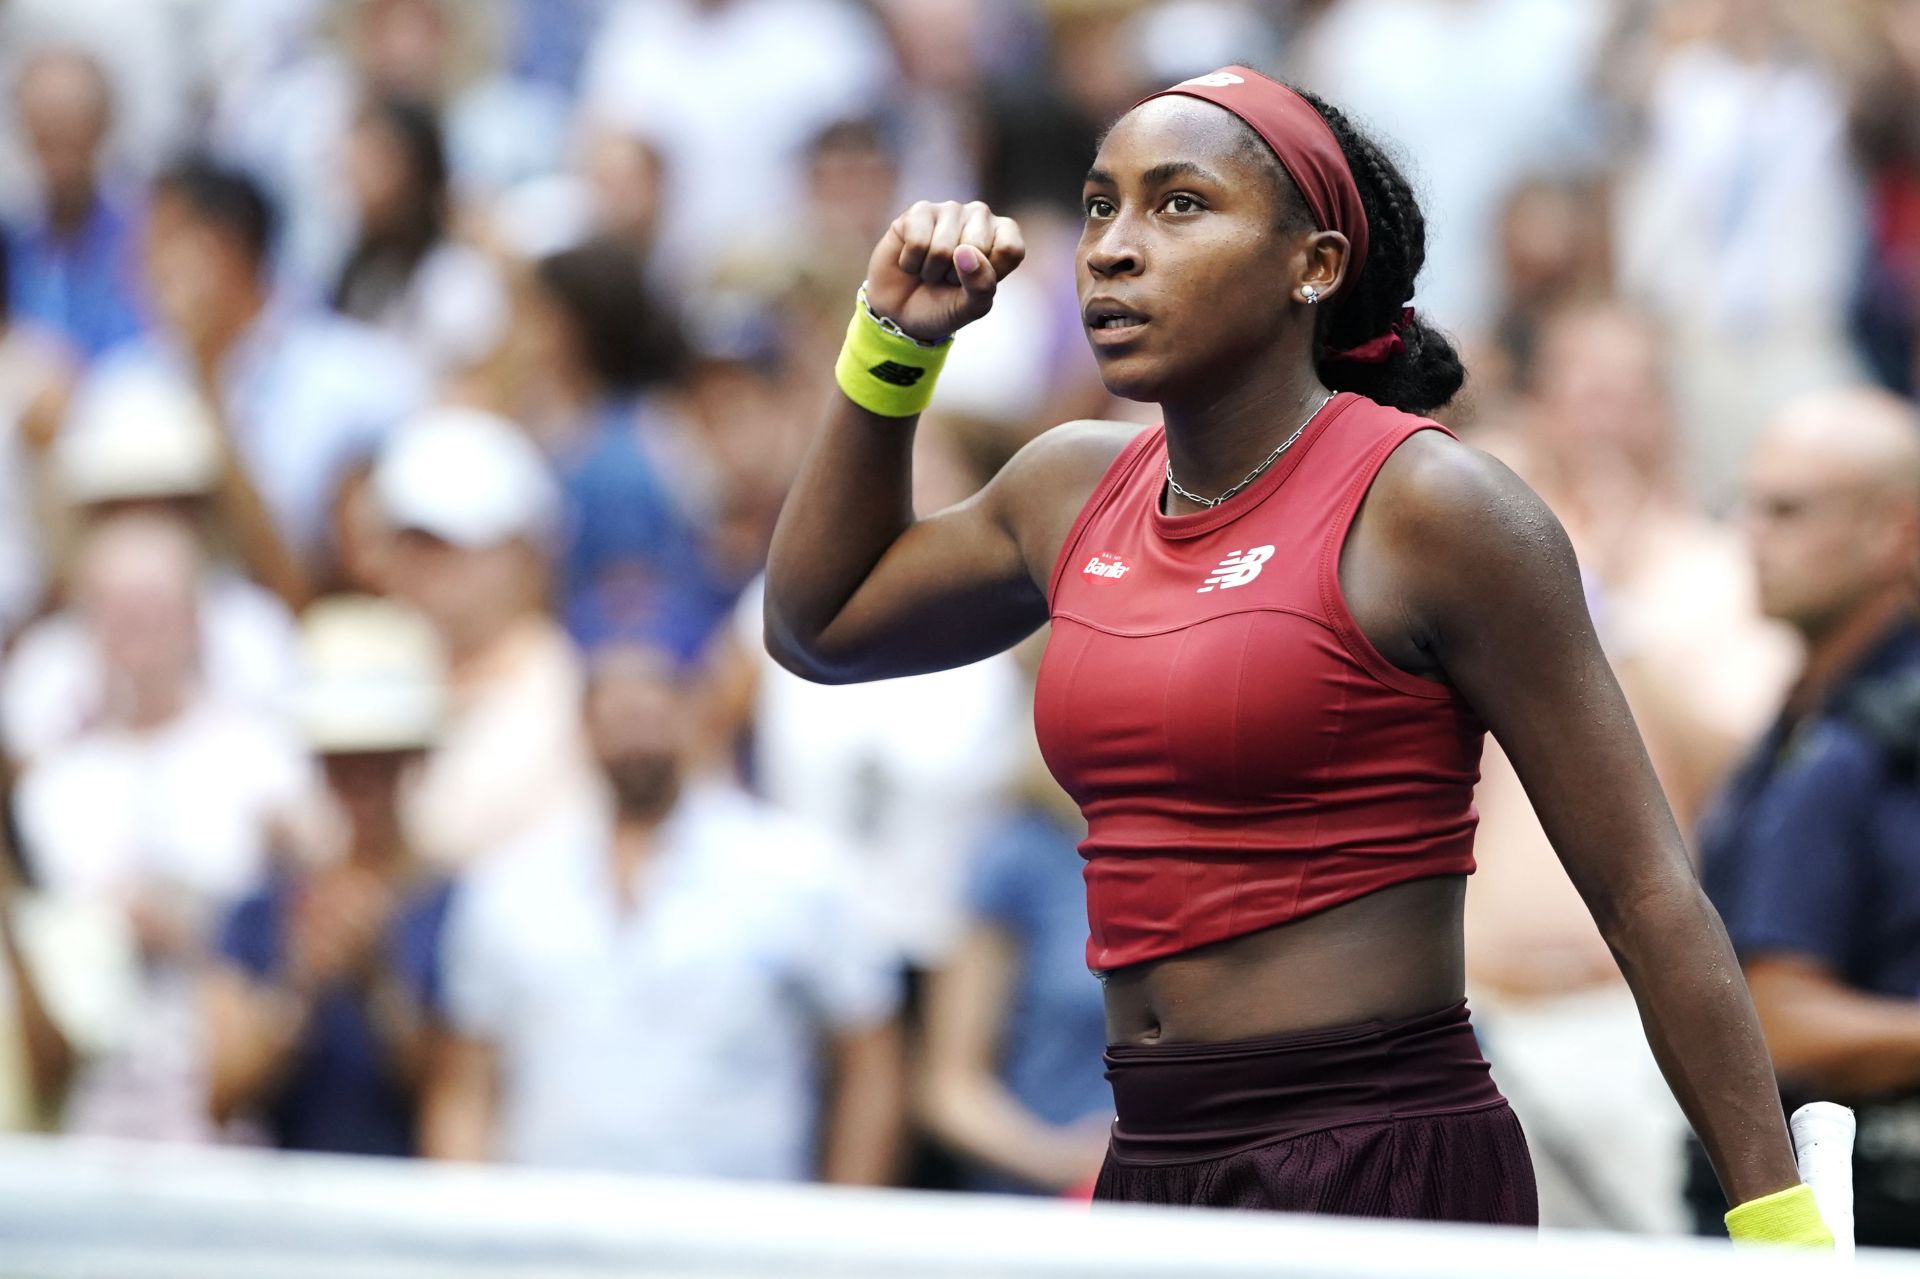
[[858, 588], [1490, 586]]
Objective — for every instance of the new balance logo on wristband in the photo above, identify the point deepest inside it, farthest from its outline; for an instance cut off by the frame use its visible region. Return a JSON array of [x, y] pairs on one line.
[[897, 374], [1239, 568]]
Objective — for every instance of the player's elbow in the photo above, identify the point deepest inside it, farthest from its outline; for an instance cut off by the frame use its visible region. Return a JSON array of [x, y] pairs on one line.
[[1642, 920], [810, 661]]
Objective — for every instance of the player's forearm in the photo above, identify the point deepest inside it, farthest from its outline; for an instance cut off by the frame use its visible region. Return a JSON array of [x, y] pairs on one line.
[[1827, 1036], [851, 501], [1701, 1024]]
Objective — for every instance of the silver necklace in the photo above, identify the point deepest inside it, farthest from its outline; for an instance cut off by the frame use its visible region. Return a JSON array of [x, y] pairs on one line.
[[1254, 474]]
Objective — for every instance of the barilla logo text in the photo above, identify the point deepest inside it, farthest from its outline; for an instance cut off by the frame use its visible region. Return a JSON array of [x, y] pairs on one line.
[[1106, 564]]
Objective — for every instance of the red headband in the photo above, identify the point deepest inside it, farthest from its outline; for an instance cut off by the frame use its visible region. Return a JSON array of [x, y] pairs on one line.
[[1300, 138]]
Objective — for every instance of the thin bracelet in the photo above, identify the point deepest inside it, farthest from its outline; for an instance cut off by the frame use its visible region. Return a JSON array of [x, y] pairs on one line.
[[888, 326]]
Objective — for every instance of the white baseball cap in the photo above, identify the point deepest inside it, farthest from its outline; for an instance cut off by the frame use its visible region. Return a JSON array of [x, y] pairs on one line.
[[468, 477], [374, 677], [136, 435]]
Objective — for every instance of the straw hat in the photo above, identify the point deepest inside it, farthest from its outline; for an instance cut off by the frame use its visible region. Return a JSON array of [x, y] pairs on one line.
[[374, 679]]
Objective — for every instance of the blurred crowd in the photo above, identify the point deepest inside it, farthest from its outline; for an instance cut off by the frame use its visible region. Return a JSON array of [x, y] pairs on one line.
[[396, 399]]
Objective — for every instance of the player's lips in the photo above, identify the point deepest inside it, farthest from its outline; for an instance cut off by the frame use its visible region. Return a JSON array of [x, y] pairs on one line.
[[1111, 322]]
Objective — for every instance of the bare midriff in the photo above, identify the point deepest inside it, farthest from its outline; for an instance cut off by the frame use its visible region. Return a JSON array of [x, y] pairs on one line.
[[1394, 953]]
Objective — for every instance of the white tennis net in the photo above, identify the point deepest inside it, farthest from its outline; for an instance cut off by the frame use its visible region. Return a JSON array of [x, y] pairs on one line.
[[116, 1211]]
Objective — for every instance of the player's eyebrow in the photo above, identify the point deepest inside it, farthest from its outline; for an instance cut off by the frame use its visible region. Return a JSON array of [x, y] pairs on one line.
[[1165, 171], [1171, 169]]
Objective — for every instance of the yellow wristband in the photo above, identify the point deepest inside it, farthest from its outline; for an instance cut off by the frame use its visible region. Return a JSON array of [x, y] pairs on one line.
[[1787, 1216], [882, 369]]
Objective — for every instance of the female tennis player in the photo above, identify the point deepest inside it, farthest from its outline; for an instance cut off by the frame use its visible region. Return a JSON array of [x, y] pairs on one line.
[[1281, 623]]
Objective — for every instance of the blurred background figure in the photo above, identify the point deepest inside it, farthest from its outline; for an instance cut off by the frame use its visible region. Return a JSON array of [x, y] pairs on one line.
[[1884, 126], [1487, 93], [317, 1008], [1812, 854], [297, 394], [405, 273], [767, 1048], [35, 378], [857, 759], [159, 809], [145, 444], [607, 365], [1045, 112], [1554, 254], [1738, 220], [38, 1053], [475, 513], [679, 71], [1010, 1077], [76, 255], [286, 105]]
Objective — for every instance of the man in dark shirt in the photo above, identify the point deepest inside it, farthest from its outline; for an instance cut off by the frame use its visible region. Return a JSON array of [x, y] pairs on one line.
[[1812, 854], [316, 1008]]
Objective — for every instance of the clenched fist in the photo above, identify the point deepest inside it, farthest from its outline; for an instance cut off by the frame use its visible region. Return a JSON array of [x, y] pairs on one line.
[[937, 266]]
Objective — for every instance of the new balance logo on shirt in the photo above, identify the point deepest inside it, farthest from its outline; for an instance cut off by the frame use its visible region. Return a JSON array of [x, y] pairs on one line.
[[1239, 568]]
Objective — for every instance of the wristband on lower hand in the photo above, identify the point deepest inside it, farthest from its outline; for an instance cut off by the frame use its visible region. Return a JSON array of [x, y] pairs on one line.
[[884, 370], [1787, 1216]]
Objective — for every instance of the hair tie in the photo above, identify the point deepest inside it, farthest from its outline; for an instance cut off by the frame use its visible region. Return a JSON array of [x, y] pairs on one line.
[[1381, 349]]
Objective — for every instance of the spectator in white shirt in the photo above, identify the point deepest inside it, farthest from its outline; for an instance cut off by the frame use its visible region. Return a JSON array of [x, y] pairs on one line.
[[476, 512], [144, 444], [684, 985], [161, 810]]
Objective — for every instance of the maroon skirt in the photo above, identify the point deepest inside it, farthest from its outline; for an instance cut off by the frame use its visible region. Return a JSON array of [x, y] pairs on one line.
[[1382, 1119]]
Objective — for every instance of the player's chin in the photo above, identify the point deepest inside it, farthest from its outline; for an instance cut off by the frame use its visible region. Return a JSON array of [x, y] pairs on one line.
[[1132, 376]]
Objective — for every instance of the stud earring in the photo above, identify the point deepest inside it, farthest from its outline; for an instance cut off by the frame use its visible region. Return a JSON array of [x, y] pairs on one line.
[[1311, 294]]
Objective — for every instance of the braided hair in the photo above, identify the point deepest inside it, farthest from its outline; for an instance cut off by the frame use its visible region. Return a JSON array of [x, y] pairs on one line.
[[1426, 372]]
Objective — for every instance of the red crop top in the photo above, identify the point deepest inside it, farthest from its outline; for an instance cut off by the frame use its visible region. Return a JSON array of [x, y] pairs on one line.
[[1242, 754]]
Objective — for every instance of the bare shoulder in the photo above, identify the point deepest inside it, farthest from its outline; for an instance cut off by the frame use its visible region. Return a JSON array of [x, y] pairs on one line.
[[1059, 468], [1442, 499], [1466, 547], [1040, 492], [1070, 453]]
